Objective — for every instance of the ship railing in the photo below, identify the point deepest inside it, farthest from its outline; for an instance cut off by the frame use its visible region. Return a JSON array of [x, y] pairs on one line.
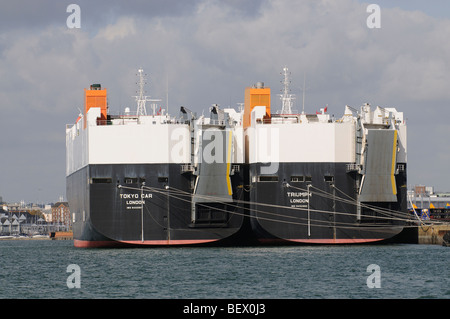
[[353, 167], [279, 119], [218, 122], [185, 168], [213, 122], [284, 118], [127, 119]]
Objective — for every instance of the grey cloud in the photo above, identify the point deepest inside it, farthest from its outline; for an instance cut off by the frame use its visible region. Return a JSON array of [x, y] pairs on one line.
[[31, 15]]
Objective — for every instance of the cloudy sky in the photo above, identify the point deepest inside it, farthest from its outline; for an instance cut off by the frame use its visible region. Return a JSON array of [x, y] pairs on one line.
[[203, 52]]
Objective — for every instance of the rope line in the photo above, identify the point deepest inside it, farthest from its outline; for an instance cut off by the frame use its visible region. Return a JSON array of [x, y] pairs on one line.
[[295, 220]]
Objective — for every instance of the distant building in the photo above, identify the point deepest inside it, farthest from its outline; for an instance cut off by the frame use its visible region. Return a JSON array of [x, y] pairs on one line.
[[61, 214], [48, 215], [425, 197]]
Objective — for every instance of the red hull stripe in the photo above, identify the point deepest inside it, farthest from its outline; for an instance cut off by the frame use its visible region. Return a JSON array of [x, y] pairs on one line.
[[99, 244], [328, 241], [169, 242]]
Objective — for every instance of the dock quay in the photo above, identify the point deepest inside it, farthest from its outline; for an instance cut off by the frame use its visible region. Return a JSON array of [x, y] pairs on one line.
[[433, 234], [57, 235], [61, 235]]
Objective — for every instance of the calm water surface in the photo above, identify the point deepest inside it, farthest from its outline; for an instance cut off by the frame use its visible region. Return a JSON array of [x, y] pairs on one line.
[[38, 269]]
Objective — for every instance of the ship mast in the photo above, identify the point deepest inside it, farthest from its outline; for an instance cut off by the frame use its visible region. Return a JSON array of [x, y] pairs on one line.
[[286, 97], [141, 99]]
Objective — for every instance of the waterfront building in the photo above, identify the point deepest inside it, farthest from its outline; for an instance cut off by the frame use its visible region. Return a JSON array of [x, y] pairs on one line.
[[61, 214]]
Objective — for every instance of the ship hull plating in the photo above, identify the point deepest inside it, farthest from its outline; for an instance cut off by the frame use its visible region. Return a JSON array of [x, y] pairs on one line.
[[122, 205], [307, 203], [314, 203]]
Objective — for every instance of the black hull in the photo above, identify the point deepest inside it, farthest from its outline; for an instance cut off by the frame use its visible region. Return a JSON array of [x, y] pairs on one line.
[[106, 215], [321, 218]]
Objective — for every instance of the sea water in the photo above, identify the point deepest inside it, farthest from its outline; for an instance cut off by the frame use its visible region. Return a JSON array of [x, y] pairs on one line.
[[55, 269]]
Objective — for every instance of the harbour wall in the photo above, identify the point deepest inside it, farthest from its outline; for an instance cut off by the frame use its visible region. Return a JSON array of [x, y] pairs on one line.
[[61, 235], [432, 234]]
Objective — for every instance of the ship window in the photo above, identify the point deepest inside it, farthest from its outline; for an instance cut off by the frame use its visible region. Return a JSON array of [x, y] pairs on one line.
[[163, 179], [329, 178], [130, 180], [101, 180], [308, 179], [297, 178], [263, 178]]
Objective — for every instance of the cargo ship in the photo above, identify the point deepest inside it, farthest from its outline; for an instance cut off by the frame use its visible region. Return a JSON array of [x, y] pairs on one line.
[[238, 176]]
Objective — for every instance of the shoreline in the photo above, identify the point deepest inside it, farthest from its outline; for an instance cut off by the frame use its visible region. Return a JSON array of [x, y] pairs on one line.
[[51, 236], [26, 238]]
